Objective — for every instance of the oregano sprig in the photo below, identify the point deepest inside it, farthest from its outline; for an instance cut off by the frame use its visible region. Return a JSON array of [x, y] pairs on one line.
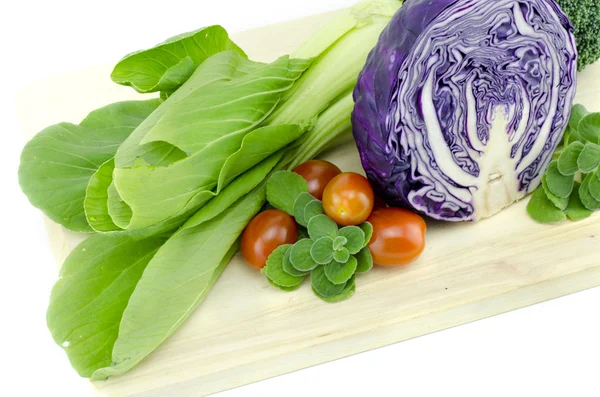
[[570, 187], [330, 254]]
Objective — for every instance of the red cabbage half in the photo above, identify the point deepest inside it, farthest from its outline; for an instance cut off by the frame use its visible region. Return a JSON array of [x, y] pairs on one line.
[[462, 103]]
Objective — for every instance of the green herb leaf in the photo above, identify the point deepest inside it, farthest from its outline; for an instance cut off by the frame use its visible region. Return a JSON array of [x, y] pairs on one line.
[[322, 285], [575, 210], [542, 210], [342, 255], [367, 228], [594, 185], [275, 271], [578, 112], [289, 268], [346, 293], [322, 250], [339, 243], [300, 205], [355, 236], [567, 162], [560, 203], [585, 195], [313, 208], [559, 184], [168, 65], [589, 159], [320, 226], [286, 289], [300, 256], [589, 128], [365, 260], [283, 188], [339, 273]]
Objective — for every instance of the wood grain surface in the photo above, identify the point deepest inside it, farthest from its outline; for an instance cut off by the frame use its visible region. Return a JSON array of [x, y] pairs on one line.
[[246, 330]]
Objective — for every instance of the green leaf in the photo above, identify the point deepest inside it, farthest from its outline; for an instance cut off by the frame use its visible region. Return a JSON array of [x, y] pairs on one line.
[[559, 184], [567, 162], [560, 203], [88, 300], [341, 255], [300, 256], [300, 205], [170, 64], [589, 159], [96, 199], [594, 186], [367, 228], [346, 293], [231, 111], [322, 250], [339, 273], [322, 285], [177, 280], [355, 236], [286, 289], [542, 210], [274, 269], [283, 188], [321, 226], [585, 195], [365, 260], [241, 186], [314, 208], [289, 268], [339, 243], [589, 128], [575, 210], [57, 164]]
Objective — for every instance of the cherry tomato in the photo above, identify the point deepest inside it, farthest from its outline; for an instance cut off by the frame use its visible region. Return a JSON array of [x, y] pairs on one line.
[[348, 199], [398, 236], [267, 231], [317, 173]]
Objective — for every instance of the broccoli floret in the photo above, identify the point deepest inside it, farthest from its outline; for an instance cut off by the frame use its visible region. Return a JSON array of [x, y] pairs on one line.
[[585, 17]]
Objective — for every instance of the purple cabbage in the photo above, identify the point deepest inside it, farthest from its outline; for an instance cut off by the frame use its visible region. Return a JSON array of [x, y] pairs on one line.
[[462, 103]]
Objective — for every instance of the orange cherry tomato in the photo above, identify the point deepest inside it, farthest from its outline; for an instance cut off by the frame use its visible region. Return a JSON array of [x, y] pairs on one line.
[[398, 236], [265, 232], [348, 199], [317, 173]]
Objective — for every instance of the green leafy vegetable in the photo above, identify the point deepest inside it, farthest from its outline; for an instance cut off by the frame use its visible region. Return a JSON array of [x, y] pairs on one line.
[[364, 260], [567, 162], [355, 238], [300, 204], [346, 293], [322, 226], [339, 243], [575, 210], [560, 203], [585, 195], [338, 272], [289, 268], [283, 188], [57, 164], [322, 249], [322, 285], [589, 128], [300, 256], [275, 268], [542, 210], [313, 208], [559, 184], [170, 64], [367, 228], [88, 301], [589, 159]]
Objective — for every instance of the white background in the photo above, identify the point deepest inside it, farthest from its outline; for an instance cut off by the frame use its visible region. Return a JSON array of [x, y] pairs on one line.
[[551, 349]]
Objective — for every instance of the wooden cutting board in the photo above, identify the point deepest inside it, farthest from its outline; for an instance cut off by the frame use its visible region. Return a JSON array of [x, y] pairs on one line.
[[246, 330]]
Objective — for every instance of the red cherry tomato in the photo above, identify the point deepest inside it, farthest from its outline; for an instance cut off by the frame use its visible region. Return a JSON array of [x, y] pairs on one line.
[[348, 199], [398, 236], [267, 231], [317, 173]]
